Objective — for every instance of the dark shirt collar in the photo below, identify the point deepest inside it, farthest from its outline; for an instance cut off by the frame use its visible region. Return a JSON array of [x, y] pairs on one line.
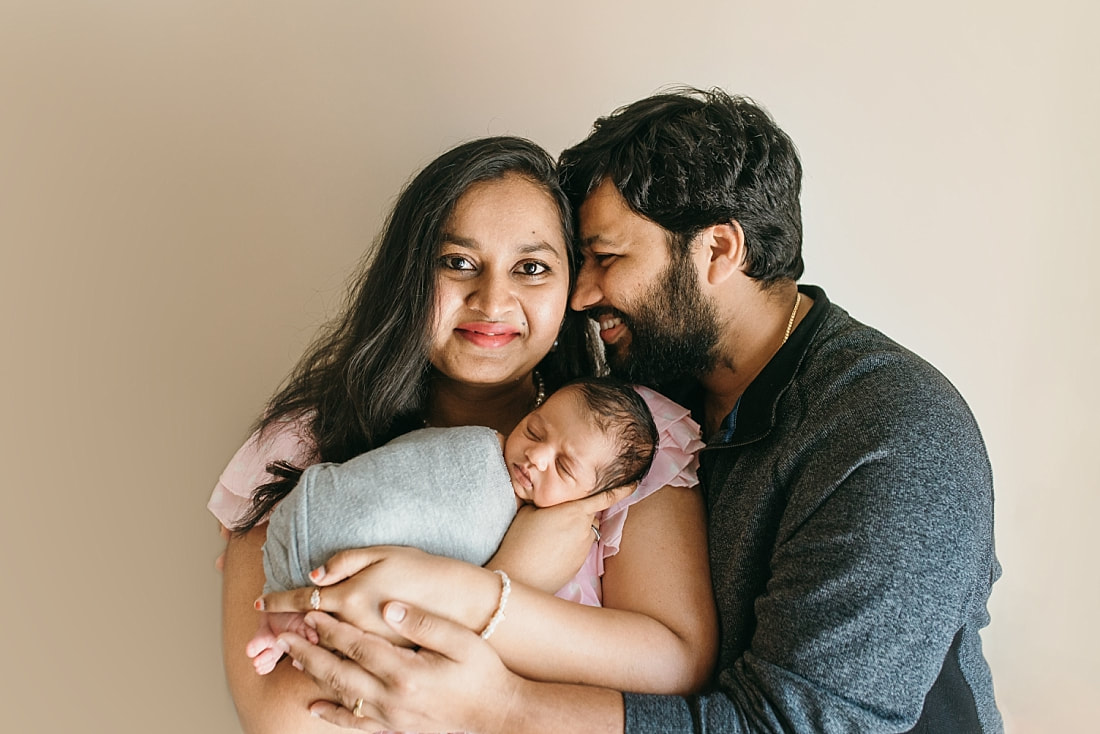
[[753, 415]]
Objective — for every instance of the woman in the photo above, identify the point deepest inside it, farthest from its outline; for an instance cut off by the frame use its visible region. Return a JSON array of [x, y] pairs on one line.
[[461, 319]]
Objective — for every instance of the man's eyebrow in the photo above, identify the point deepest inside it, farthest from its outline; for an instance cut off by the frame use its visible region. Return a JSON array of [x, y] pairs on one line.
[[594, 239]]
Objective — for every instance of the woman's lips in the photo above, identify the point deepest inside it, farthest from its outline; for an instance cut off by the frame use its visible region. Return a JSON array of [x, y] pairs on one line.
[[487, 334]]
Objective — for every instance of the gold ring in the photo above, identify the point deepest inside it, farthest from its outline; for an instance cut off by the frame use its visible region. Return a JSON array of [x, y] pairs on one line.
[[315, 600], [357, 712]]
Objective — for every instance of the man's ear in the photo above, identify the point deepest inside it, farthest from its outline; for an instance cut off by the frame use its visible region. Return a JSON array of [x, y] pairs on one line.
[[724, 245]]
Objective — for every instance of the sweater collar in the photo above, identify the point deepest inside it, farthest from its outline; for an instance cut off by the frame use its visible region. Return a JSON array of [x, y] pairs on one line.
[[756, 410]]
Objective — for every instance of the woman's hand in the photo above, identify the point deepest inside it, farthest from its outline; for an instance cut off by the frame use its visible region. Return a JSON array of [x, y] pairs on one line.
[[546, 546], [453, 681], [354, 585]]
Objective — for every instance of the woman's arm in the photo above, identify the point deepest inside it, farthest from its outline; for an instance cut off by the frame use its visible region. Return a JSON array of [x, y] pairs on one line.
[[657, 633], [266, 704]]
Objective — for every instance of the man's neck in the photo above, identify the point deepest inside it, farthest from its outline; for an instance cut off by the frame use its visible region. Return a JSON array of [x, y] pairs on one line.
[[754, 334]]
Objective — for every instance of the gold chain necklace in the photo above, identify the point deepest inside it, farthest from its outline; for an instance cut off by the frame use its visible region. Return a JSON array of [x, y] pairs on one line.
[[790, 321]]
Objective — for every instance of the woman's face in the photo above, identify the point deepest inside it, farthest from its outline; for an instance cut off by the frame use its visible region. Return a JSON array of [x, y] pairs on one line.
[[502, 283]]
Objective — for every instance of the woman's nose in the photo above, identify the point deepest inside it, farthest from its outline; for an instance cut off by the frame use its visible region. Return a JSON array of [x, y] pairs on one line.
[[586, 292], [492, 295]]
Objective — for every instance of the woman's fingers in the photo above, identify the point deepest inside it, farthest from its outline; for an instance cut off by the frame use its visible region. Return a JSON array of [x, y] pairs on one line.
[[346, 564], [299, 600], [341, 566], [604, 500]]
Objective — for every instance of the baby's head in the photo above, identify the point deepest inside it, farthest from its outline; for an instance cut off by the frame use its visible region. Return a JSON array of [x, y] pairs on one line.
[[591, 435]]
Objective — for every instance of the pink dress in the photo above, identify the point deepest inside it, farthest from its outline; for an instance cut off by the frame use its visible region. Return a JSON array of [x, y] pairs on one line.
[[674, 465]]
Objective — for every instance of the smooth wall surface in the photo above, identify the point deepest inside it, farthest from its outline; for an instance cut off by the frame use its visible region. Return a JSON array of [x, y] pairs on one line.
[[185, 186]]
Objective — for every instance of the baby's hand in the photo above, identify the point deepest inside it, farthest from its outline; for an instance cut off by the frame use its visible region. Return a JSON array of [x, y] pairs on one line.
[[261, 648]]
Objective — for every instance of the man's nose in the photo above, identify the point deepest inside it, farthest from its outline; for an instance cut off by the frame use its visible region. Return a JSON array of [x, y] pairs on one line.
[[587, 292]]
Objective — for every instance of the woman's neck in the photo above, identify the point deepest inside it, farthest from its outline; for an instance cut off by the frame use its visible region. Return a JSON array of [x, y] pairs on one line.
[[500, 407]]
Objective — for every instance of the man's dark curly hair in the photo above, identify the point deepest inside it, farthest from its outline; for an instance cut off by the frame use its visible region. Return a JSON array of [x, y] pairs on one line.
[[688, 159]]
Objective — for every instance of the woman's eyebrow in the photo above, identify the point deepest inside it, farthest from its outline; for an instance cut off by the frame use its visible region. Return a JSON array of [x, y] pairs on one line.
[[466, 242], [526, 248], [540, 246]]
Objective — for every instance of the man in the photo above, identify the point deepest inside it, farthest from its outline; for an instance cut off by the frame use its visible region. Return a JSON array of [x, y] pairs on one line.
[[848, 490], [849, 495]]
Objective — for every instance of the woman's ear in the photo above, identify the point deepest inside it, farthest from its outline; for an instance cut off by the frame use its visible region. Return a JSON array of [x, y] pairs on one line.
[[724, 246]]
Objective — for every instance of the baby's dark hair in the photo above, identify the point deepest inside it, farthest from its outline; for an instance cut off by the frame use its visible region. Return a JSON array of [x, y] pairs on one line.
[[620, 412]]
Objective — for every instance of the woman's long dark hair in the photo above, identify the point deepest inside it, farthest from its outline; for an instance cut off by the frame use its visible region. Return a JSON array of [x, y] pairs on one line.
[[362, 382]]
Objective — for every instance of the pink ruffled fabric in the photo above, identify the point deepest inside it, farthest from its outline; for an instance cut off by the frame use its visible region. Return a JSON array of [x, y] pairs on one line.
[[247, 470], [675, 465]]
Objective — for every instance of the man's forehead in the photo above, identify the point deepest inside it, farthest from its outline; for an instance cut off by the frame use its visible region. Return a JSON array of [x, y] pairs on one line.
[[603, 214]]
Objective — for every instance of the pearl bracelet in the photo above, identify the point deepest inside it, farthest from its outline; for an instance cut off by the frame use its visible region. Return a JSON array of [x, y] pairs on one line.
[[498, 615]]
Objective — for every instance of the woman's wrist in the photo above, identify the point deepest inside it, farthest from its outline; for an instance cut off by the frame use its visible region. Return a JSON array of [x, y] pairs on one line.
[[466, 594]]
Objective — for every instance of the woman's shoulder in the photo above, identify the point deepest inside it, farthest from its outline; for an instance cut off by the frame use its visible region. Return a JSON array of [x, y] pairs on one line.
[[288, 439]]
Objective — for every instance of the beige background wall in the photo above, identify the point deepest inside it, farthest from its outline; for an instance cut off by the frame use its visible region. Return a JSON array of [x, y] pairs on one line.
[[184, 187]]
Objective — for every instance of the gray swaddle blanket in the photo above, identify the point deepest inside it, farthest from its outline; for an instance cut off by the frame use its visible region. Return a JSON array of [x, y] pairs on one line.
[[443, 490]]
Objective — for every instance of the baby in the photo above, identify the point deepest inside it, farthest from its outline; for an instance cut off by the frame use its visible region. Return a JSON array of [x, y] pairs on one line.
[[453, 491]]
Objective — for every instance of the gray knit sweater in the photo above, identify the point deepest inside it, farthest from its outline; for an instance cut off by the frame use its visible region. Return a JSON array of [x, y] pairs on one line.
[[851, 547]]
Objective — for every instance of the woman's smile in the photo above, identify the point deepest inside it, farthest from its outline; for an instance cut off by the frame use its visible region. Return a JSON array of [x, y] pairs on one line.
[[488, 334]]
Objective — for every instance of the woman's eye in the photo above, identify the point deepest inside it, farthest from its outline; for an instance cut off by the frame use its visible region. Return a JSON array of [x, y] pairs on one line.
[[456, 262], [533, 267]]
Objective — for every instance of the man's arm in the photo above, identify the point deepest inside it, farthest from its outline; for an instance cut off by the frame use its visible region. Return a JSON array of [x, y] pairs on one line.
[[881, 556]]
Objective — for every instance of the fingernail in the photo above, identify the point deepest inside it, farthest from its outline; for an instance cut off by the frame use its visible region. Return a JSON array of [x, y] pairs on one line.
[[259, 604], [297, 665], [318, 573], [395, 612], [282, 645], [313, 714]]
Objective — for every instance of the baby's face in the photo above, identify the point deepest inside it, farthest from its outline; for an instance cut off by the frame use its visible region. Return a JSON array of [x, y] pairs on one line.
[[554, 452]]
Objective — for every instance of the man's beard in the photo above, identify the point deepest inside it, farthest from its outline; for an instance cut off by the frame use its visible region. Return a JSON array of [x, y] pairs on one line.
[[674, 331]]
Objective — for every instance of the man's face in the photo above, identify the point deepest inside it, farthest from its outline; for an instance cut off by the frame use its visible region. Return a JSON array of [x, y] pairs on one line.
[[654, 321]]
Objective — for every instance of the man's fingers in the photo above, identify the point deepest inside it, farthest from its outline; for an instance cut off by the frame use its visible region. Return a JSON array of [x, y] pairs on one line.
[[428, 631], [340, 716], [341, 679]]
